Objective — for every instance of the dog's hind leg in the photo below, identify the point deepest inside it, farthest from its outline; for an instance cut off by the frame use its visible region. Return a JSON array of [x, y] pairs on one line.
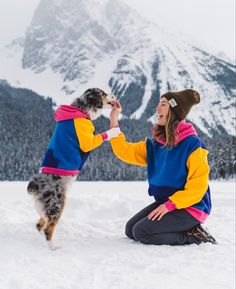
[[53, 211], [48, 231], [40, 224]]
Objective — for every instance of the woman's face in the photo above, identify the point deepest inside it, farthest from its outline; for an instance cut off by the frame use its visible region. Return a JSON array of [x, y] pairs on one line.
[[162, 111]]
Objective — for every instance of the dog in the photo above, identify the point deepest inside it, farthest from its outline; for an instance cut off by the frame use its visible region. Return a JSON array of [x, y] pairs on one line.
[[72, 140]]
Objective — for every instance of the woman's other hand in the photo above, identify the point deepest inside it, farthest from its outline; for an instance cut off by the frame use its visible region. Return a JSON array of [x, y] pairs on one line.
[[158, 213]]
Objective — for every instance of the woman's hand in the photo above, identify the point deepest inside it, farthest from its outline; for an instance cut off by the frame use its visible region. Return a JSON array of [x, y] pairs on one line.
[[115, 113], [158, 213]]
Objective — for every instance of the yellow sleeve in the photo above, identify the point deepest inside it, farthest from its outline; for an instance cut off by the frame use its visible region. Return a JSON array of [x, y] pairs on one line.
[[131, 153], [85, 133], [197, 180]]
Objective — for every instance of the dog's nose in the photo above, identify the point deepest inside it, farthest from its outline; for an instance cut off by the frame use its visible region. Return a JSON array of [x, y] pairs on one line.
[[112, 96]]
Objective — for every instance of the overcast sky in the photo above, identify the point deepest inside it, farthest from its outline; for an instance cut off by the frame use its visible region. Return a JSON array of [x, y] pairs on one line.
[[210, 22]]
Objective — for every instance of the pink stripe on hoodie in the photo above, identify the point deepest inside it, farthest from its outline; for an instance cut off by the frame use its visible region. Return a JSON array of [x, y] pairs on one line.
[[196, 213], [183, 130], [65, 112], [48, 170]]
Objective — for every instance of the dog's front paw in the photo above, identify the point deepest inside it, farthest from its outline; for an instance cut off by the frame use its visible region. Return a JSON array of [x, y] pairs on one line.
[[113, 132]]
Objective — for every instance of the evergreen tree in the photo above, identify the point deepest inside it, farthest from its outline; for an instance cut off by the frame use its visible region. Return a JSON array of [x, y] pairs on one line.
[[27, 123]]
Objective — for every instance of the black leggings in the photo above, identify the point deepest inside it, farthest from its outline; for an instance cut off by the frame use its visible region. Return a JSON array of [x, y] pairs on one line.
[[170, 230]]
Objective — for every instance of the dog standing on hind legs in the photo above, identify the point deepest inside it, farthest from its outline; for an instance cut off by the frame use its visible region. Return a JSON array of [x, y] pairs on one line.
[[49, 193], [72, 140]]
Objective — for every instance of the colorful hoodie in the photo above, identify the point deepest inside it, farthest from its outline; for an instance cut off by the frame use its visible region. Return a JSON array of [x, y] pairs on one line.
[[177, 176], [72, 140]]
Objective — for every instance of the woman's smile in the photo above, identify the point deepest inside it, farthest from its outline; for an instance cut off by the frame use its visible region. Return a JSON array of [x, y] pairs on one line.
[[162, 111]]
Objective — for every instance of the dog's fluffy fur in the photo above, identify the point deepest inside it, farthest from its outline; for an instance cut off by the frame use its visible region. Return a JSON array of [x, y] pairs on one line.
[[49, 190]]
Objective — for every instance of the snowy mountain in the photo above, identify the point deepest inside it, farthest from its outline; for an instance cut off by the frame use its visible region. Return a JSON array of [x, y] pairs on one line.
[[78, 44]]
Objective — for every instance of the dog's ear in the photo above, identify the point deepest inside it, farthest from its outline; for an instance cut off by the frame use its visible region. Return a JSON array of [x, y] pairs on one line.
[[79, 103], [93, 97], [94, 102]]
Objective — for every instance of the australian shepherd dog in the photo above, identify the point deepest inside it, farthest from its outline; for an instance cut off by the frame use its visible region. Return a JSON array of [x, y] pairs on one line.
[[49, 187]]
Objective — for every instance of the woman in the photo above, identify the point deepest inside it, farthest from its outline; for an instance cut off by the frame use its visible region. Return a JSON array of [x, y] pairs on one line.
[[178, 170]]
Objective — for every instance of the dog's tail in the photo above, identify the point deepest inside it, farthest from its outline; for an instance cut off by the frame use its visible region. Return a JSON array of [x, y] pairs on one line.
[[33, 187]]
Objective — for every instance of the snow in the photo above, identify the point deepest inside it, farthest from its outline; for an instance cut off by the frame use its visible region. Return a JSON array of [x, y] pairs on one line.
[[147, 94], [94, 251]]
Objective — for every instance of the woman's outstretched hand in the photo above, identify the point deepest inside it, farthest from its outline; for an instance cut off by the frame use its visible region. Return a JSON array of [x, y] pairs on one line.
[[115, 113], [158, 213]]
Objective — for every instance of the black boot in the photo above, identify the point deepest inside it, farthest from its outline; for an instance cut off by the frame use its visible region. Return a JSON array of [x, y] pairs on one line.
[[201, 235]]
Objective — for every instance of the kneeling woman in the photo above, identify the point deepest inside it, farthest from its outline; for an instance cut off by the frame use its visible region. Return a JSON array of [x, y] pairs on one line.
[[178, 170]]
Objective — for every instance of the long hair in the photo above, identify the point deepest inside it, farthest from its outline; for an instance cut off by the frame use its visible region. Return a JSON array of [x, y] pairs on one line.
[[168, 132]]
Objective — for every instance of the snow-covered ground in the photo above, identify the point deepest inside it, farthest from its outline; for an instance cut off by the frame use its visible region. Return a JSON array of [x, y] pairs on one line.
[[94, 251]]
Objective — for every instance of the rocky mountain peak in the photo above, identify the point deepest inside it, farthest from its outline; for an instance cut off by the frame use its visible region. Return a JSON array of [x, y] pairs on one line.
[[107, 44]]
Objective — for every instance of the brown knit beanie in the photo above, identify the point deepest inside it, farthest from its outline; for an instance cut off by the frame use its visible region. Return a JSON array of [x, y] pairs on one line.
[[182, 101]]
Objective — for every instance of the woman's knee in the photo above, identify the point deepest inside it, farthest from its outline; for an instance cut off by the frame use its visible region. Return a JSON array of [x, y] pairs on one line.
[[128, 229], [139, 233]]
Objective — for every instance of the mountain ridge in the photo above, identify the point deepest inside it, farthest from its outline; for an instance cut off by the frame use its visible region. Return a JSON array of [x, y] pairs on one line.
[[85, 43]]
